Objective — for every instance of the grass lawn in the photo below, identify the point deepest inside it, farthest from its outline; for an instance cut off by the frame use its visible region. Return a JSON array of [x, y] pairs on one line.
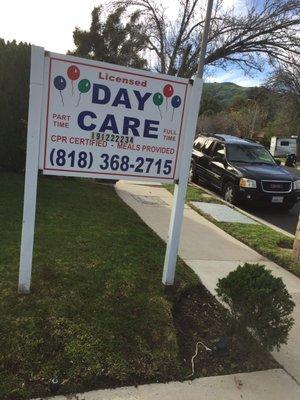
[[271, 244], [266, 241], [195, 194], [98, 315]]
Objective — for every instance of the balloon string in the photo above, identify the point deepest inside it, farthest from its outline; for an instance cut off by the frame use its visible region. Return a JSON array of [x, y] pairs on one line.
[[62, 99], [78, 99], [173, 113], [167, 104], [159, 112], [72, 88]]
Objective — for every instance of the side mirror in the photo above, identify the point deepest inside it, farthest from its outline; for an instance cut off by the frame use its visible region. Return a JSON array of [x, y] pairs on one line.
[[278, 162]]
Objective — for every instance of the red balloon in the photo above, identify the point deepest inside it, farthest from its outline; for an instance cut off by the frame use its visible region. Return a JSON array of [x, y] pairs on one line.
[[168, 90], [73, 72]]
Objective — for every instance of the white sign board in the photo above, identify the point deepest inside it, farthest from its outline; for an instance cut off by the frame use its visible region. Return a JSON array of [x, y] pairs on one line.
[[105, 121], [92, 119]]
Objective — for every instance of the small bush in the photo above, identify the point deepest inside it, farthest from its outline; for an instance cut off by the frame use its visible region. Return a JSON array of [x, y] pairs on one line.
[[260, 302]]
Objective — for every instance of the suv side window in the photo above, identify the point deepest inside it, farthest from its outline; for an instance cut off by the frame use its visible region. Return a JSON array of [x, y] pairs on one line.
[[199, 143], [219, 150], [208, 146]]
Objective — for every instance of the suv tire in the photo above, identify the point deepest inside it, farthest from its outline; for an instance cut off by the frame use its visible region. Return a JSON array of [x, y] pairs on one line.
[[229, 193], [287, 206]]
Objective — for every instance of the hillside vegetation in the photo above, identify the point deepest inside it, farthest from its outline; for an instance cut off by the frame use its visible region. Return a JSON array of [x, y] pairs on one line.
[[225, 92]]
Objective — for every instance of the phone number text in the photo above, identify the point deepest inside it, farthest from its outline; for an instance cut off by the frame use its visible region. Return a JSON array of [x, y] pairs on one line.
[[106, 162]]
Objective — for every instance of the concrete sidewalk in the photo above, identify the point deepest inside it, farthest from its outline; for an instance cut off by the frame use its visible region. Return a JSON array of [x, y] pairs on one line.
[[274, 384], [211, 253]]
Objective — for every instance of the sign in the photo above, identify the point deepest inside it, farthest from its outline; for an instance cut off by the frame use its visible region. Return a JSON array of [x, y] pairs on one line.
[[92, 119], [106, 121]]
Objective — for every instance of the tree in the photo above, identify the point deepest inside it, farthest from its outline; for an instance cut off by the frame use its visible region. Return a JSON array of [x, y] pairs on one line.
[[267, 99], [111, 41], [210, 105], [238, 102], [217, 123], [285, 82], [264, 32], [14, 89], [245, 115]]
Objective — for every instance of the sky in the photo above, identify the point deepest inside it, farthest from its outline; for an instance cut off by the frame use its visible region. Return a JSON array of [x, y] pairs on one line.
[[50, 24]]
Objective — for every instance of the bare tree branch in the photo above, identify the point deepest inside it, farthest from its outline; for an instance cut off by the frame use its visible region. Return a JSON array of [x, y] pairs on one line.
[[269, 31]]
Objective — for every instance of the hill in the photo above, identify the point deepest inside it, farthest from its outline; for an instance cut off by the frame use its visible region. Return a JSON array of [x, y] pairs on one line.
[[224, 92]]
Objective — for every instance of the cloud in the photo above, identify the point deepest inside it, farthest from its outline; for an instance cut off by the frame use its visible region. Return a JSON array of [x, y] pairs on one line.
[[229, 3], [239, 7]]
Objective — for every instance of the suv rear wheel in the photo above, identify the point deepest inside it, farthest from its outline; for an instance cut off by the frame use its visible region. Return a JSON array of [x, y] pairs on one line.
[[229, 193]]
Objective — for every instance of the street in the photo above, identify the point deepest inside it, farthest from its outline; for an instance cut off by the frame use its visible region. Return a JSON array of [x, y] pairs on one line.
[[286, 220]]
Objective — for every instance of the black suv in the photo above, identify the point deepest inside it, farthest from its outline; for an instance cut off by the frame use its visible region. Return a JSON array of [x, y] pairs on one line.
[[243, 171]]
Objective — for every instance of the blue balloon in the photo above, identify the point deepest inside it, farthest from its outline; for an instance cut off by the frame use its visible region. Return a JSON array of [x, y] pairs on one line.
[[176, 101], [59, 82]]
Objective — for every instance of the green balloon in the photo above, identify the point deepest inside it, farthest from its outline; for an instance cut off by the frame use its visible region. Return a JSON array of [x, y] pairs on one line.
[[84, 85], [158, 99]]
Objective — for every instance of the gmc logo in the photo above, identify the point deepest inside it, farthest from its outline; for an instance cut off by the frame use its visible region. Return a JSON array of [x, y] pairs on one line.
[[276, 186]]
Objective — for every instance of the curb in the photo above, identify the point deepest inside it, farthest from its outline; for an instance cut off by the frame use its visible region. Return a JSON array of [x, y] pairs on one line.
[[261, 221]]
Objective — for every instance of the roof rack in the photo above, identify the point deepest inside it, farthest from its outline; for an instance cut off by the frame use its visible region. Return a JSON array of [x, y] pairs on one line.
[[218, 136]]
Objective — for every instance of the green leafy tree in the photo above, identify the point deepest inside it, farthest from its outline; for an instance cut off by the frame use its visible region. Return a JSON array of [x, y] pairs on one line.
[[238, 102], [285, 83], [111, 40], [14, 89], [285, 124], [210, 105]]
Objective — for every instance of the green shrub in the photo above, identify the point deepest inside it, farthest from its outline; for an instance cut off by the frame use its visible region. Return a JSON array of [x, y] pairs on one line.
[[258, 302]]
